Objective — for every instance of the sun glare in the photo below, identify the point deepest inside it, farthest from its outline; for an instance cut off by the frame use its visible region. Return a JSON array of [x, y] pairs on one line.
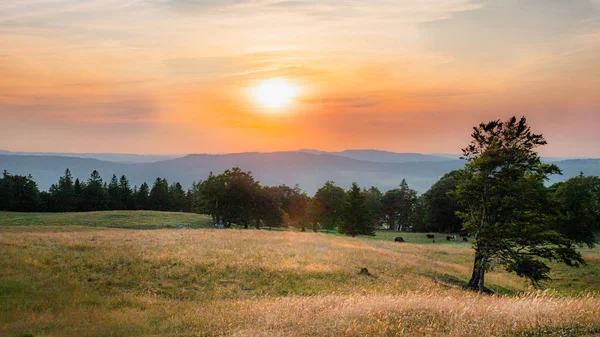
[[274, 93]]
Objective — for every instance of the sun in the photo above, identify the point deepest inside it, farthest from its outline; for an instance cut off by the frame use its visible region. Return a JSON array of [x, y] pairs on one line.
[[274, 93]]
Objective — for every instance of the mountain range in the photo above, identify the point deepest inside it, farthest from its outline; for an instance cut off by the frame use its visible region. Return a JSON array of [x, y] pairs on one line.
[[308, 168]]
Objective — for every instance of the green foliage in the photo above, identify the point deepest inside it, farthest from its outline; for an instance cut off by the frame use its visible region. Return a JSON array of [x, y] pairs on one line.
[[268, 207], [159, 195], [44, 222], [329, 204], [142, 197], [177, 198], [374, 207], [126, 197], [94, 194], [19, 193], [439, 205], [63, 197], [398, 207], [578, 200], [239, 196], [507, 207], [355, 217]]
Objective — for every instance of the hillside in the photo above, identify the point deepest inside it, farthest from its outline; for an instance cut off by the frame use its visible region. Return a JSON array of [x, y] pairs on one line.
[[106, 219], [378, 156], [310, 170], [265, 283]]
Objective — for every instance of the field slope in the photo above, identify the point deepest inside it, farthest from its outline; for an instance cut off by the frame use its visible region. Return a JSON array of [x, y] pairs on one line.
[[106, 219], [61, 279]]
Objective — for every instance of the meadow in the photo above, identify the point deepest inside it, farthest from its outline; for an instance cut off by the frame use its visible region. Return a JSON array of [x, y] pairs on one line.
[[98, 274]]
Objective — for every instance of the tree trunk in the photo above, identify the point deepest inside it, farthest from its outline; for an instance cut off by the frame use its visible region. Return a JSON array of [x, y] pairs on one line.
[[245, 226], [481, 285], [474, 282], [477, 282]]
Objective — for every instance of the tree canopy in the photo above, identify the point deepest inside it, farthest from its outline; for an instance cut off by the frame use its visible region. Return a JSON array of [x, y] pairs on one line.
[[506, 205]]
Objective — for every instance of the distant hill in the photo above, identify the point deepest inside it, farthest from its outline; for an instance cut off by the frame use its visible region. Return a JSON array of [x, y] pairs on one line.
[[310, 170], [114, 157], [379, 156]]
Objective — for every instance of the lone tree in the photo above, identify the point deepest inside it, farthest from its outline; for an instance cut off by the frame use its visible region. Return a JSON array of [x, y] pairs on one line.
[[507, 207]]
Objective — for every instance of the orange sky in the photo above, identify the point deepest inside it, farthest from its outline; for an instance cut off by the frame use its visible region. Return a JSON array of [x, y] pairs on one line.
[[175, 76]]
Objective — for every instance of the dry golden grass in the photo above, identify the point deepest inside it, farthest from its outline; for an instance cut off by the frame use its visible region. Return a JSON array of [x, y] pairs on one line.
[[258, 283]]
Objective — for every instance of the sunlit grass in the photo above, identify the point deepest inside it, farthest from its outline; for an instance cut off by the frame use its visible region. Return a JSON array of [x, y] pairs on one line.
[[188, 282]]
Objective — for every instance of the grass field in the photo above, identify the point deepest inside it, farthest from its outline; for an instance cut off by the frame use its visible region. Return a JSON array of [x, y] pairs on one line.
[[62, 279], [106, 219]]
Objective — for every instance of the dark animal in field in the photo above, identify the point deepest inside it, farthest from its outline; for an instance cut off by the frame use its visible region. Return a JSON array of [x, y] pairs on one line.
[[430, 236], [451, 237], [364, 271], [465, 239], [399, 239]]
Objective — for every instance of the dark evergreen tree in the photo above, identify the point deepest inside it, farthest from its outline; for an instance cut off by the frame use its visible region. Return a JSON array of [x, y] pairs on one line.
[[6, 191], [78, 188], [95, 195], [64, 196], [177, 198], [114, 195], [159, 195], [142, 197], [126, 197]]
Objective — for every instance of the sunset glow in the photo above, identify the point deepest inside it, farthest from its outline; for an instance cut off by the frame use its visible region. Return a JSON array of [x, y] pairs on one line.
[[406, 75], [274, 93]]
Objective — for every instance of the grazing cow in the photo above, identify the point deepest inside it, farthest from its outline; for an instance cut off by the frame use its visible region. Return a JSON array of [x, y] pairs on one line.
[[450, 237], [430, 236], [399, 239], [465, 239]]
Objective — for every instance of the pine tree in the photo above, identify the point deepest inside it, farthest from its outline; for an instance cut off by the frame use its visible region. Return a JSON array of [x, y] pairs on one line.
[[142, 197], [126, 197], [177, 198], [159, 195], [114, 195], [78, 195], [95, 196]]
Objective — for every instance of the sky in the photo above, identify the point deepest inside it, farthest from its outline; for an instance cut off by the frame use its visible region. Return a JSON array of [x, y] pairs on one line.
[[180, 76]]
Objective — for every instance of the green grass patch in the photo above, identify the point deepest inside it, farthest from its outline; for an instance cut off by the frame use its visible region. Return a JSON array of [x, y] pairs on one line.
[[105, 219]]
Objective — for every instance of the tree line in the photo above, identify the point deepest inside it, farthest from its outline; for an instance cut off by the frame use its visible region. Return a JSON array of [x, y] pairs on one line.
[[235, 197], [21, 194]]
